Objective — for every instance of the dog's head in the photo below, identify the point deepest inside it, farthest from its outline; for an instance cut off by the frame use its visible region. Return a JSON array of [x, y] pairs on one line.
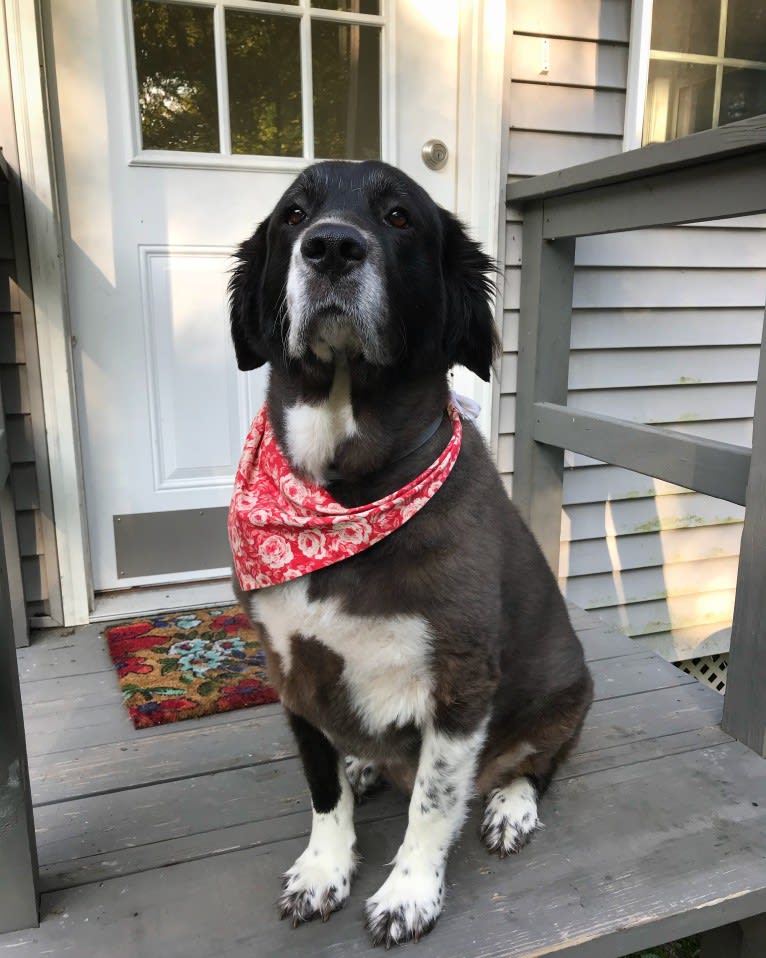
[[356, 257]]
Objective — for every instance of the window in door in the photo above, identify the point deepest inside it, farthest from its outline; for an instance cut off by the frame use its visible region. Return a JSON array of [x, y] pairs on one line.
[[707, 66], [232, 80]]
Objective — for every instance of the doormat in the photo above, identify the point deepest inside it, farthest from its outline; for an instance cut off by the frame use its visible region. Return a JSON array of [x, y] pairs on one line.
[[187, 664]]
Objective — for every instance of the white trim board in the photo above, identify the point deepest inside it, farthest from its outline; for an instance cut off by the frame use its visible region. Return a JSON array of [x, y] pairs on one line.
[[638, 73], [153, 599], [480, 181]]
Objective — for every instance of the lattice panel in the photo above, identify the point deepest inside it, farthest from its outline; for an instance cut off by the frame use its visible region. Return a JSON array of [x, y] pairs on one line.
[[710, 669]]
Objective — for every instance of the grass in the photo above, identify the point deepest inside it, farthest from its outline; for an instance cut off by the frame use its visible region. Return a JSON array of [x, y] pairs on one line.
[[688, 948]]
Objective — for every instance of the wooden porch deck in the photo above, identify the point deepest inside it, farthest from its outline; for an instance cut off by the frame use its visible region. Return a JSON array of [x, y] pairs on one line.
[[171, 841]]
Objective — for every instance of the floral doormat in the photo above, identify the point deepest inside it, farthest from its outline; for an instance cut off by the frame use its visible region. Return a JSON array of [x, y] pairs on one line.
[[183, 665]]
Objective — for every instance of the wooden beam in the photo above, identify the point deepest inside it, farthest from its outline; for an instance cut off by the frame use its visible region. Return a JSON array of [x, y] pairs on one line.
[[547, 278], [742, 137], [734, 186], [715, 468], [744, 714]]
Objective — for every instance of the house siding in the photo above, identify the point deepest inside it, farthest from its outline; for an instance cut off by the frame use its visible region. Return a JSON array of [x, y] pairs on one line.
[[21, 387], [666, 329], [16, 401]]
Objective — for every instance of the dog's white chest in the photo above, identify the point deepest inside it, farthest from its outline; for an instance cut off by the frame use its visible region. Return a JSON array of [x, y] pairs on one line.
[[386, 661]]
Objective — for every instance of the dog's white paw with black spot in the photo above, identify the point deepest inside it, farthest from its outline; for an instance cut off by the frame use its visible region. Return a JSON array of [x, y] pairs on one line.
[[510, 817], [364, 776], [406, 906], [317, 885]]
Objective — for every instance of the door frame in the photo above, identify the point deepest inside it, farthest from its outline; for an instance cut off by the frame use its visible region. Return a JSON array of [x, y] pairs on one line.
[[480, 201]]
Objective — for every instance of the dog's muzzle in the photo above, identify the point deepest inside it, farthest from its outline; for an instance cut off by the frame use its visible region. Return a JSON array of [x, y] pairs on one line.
[[336, 300]]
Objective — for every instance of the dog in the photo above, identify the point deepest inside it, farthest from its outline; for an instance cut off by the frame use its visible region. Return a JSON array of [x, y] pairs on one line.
[[440, 657]]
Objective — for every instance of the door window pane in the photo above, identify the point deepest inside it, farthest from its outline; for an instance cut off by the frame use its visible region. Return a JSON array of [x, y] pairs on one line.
[[175, 62], [746, 30], [686, 26], [679, 100], [264, 69], [346, 75], [743, 94], [349, 6]]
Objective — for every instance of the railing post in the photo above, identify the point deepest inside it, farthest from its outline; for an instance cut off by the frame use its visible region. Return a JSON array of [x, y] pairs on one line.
[[744, 711], [547, 276], [18, 855]]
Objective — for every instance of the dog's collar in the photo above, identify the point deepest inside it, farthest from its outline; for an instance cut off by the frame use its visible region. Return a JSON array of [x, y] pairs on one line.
[[333, 475], [282, 527]]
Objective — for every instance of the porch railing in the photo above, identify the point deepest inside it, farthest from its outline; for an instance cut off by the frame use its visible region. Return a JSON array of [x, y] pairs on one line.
[[716, 174]]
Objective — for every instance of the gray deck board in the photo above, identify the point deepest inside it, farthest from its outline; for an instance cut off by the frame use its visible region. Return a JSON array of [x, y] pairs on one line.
[[654, 851], [171, 840], [145, 758], [130, 831]]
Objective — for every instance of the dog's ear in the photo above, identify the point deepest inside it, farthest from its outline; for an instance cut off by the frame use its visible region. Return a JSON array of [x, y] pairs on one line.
[[471, 337], [244, 300]]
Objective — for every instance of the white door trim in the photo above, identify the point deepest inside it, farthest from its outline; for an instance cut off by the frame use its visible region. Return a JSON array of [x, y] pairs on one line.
[[480, 147], [638, 73], [36, 169]]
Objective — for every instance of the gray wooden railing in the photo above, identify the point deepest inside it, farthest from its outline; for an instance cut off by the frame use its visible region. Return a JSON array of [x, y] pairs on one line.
[[711, 175]]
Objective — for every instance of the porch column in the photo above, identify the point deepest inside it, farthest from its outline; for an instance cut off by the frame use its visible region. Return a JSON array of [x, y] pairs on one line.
[[547, 277], [18, 854], [744, 710]]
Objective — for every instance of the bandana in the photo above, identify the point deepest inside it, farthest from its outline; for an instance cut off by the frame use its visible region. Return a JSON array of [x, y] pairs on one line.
[[282, 527]]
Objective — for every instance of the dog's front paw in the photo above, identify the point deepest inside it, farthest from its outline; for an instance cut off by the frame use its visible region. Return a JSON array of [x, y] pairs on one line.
[[510, 817], [364, 776], [406, 906], [315, 887]]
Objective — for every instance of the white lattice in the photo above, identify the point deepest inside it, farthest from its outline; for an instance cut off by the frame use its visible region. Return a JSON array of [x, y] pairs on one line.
[[710, 669]]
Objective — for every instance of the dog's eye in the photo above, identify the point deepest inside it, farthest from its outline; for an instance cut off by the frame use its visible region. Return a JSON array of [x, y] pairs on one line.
[[398, 218], [295, 215]]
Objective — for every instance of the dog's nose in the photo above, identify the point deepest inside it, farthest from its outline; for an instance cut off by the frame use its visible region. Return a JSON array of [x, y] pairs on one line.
[[334, 248]]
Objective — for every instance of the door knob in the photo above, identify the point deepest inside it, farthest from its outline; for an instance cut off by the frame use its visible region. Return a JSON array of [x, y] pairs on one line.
[[435, 154]]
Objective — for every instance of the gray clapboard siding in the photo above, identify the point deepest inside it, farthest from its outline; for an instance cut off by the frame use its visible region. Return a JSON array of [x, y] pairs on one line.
[[541, 151], [588, 483], [710, 638], [626, 328], [638, 585], [511, 330], [696, 248], [30, 533], [606, 20], [652, 616], [665, 248], [639, 287], [649, 550], [561, 109], [686, 403], [571, 62], [11, 338], [20, 437], [618, 368], [687, 510], [22, 395]]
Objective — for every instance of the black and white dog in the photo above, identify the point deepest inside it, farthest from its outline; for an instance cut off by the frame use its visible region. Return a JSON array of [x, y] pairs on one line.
[[442, 657]]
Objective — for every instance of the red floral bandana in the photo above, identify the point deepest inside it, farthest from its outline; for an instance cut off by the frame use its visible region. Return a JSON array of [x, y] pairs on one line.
[[281, 527]]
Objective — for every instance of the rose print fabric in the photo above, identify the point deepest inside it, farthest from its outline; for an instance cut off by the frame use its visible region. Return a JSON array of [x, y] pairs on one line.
[[282, 527]]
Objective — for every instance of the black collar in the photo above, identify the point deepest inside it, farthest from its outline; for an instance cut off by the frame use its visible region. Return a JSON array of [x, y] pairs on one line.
[[333, 475]]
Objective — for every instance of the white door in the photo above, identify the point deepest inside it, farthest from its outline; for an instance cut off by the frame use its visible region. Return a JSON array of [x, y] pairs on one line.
[[179, 124]]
